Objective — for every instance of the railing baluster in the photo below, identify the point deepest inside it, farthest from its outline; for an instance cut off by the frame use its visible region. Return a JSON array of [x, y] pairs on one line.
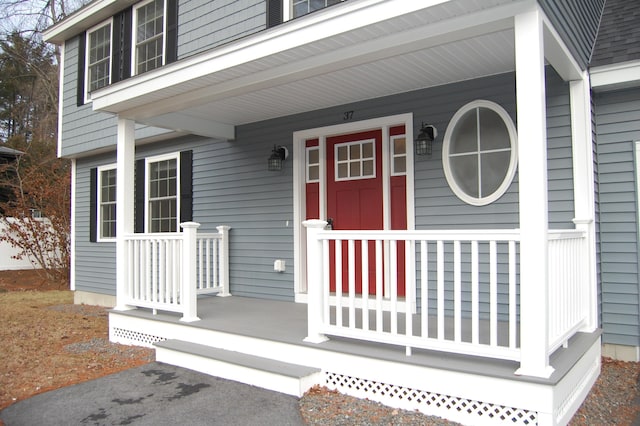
[[212, 269], [326, 281], [513, 321], [351, 268], [457, 291], [147, 269], [200, 259], [338, 262], [475, 294], [379, 286], [365, 284], [440, 288], [393, 277], [162, 278], [424, 289], [493, 292], [409, 282]]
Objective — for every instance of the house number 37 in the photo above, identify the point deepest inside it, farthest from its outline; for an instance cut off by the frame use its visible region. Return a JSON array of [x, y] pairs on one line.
[[348, 115]]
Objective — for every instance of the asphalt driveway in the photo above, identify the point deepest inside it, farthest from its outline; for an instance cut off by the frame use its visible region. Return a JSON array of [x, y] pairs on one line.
[[156, 394]]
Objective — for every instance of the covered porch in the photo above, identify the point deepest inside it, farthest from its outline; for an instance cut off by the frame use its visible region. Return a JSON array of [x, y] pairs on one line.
[[504, 316], [467, 389]]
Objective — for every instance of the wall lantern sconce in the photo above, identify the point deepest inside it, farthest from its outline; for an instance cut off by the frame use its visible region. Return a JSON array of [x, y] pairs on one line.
[[278, 155], [424, 142]]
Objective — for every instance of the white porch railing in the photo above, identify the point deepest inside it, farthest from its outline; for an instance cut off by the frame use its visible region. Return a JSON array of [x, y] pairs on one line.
[[461, 293], [166, 271], [568, 289]]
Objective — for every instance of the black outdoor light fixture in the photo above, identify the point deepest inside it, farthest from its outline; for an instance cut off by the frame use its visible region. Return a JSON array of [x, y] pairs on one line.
[[278, 155], [424, 141]]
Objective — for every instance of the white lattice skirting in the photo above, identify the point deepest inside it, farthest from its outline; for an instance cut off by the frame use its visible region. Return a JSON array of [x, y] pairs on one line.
[[434, 404], [130, 337]]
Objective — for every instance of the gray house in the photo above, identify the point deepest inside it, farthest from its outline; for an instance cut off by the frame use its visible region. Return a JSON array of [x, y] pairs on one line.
[[428, 204]]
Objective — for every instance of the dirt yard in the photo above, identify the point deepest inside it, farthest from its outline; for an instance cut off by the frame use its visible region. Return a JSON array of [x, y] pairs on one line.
[[47, 342]]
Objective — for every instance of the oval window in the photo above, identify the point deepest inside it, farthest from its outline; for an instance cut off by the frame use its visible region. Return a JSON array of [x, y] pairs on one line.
[[479, 152]]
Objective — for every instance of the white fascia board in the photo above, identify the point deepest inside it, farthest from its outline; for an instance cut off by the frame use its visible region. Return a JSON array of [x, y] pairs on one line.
[[294, 34], [84, 18], [557, 53], [616, 76]]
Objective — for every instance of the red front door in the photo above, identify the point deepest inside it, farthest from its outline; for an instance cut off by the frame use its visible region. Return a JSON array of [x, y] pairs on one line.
[[354, 197]]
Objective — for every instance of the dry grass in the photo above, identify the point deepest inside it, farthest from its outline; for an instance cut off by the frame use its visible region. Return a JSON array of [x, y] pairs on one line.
[[37, 330]]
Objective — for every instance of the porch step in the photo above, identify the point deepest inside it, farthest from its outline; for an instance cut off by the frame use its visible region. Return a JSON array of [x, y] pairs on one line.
[[291, 379]]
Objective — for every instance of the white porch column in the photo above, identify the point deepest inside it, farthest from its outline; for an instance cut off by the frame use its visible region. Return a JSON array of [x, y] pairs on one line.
[[125, 183], [189, 294], [314, 281], [223, 260], [532, 166], [583, 187]]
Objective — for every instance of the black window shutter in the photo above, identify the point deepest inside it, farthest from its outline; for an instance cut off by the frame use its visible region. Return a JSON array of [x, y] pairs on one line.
[[139, 197], [93, 205], [81, 58], [172, 31], [186, 186], [121, 59], [274, 13]]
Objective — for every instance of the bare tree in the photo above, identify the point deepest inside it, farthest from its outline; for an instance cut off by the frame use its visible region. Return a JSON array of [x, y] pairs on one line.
[[36, 213]]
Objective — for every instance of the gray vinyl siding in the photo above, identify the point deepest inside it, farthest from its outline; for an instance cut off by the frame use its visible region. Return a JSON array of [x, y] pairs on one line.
[[577, 23], [206, 24], [202, 25], [618, 127], [82, 128], [231, 184], [95, 262]]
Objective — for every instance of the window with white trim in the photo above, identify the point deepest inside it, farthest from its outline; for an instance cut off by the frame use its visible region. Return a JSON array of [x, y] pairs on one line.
[[162, 193], [313, 164], [479, 152], [398, 155], [355, 160], [106, 212], [98, 58], [302, 7], [148, 36]]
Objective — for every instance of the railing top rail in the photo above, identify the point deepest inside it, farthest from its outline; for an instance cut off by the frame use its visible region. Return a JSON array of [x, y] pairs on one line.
[[155, 236], [566, 234], [209, 235], [432, 235]]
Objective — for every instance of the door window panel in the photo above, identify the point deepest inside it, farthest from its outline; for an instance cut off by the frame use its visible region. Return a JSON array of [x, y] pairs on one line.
[[355, 160]]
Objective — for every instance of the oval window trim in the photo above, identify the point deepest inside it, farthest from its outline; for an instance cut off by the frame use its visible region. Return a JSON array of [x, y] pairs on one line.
[[513, 158]]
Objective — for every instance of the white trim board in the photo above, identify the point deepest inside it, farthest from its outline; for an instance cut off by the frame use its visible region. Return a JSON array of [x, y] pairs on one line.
[[299, 180], [616, 76]]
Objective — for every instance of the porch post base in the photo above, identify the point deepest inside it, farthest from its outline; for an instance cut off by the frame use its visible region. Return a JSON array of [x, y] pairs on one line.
[[317, 338], [124, 308], [189, 319], [544, 372], [223, 294]]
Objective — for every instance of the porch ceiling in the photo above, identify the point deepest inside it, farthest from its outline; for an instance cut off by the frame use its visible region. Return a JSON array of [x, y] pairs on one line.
[[355, 51]]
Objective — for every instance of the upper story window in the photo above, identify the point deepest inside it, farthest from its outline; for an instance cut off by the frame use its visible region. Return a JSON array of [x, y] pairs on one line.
[[479, 152], [302, 7], [98, 58], [148, 36]]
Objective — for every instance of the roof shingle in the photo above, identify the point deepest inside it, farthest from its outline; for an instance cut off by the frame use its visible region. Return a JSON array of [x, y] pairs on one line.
[[618, 37]]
